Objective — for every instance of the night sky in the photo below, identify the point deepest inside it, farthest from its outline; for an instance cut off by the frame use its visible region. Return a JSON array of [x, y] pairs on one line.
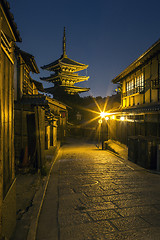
[[107, 35]]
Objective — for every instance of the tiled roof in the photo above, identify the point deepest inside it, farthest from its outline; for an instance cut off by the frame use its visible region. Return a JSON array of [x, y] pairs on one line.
[[72, 88], [147, 107], [72, 62], [64, 60], [29, 60], [146, 56], [68, 76], [39, 85], [42, 100], [39, 100], [6, 7]]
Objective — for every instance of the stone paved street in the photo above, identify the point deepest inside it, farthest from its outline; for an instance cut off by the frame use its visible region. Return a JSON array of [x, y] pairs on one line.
[[93, 194]]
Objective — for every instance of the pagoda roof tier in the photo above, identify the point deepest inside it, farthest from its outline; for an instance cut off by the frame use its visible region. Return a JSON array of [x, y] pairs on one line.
[[65, 63], [75, 89], [70, 89], [60, 76]]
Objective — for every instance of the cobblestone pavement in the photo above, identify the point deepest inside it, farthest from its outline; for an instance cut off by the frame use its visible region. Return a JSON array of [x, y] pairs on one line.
[[99, 196]]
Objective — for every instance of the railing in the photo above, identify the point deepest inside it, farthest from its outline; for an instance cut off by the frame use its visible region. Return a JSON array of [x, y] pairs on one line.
[[139, 89], [154, 84]]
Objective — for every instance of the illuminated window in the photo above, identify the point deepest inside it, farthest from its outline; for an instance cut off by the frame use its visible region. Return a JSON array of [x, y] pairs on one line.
[[139, 81], [136, 85], [130, 85]]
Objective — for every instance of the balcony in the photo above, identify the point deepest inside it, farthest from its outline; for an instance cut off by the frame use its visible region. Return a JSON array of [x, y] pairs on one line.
[[139, 89]]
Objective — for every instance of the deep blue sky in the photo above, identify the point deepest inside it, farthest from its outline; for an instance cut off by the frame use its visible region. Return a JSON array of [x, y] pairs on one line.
[[108, 35]]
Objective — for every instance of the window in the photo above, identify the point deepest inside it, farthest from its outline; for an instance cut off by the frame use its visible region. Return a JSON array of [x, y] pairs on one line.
[[135, 85], [141, 80], [137, 81], [130, 85]]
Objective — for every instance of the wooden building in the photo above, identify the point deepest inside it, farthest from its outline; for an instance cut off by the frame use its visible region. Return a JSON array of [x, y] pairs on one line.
[[8, 36], [25, 88], [38, 118], [65, 75], [139, 114], [23, 83], [36, 115]]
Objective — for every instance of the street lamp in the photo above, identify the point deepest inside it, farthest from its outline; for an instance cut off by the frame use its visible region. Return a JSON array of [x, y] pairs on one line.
[[104, 116], [99, 132], [113, 117], [122, 118], [107, 118], [100, 121]]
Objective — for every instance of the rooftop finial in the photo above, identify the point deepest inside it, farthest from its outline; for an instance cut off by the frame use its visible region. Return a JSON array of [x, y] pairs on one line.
[[64, 43]]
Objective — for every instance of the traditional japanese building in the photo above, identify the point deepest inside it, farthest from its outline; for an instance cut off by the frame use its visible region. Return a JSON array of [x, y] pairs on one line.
[[40, 122], [65, 75], [8, 36], [137, 121]]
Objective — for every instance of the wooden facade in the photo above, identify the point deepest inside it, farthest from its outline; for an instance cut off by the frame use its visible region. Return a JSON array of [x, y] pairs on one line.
[[138, 117], [25, 114], [8, 36], [38, 119], [140, 97], [23, 83]]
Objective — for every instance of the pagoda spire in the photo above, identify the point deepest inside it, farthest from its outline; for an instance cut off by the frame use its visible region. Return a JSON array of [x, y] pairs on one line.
[[64, 43]]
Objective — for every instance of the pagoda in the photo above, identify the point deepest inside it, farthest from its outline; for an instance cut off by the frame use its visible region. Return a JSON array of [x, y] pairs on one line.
[[65, 75]]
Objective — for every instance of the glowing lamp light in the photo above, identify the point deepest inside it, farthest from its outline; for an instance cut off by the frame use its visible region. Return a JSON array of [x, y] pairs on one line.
[[122, 118], [103, 114], [113, 117], [100, 121], [107, 118]]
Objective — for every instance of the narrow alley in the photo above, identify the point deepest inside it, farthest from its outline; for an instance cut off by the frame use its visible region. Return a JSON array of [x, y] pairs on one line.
[[93, 194]]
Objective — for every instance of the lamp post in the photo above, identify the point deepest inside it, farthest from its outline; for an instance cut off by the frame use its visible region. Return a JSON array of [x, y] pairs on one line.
[[99, 131], [102, 129], [103, 116], [107, 118]]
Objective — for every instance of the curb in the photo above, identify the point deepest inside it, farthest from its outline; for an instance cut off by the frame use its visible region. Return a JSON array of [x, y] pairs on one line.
[[38, 203]]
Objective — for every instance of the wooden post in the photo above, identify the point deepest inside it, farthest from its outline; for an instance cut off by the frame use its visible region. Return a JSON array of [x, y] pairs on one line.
[[1, 137], [39, 122], [11, 110], [37, 138]]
